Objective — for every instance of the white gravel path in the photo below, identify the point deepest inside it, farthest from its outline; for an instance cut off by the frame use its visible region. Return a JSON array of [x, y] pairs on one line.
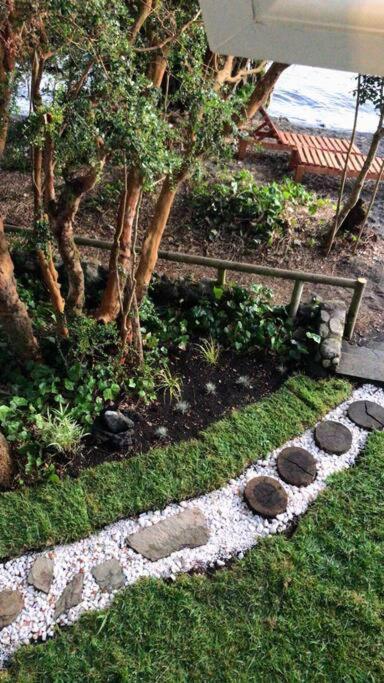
[[233, 530]]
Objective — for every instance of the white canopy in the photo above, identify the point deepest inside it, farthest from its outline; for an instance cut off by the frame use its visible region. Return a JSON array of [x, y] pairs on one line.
[[336, 34]]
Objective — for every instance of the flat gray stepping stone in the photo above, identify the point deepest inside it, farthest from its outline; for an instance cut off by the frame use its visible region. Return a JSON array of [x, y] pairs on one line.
[[266, 496], [296, 466], [71, 595], [333, 437], [367, 414], [11, 604], [362, 362], [109, 575], [188, 529], [41, 574]]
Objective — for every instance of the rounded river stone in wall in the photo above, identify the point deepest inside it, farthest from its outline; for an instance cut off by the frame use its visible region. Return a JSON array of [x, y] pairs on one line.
[[296, 466], [367, 414], [333, 437], [266, 496]]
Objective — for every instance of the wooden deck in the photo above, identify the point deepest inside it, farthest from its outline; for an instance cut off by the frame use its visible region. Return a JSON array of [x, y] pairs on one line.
[[307, 159], [269, 136]]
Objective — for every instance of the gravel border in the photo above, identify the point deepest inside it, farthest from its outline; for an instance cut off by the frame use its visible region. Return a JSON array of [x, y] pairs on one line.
[[234, 529]]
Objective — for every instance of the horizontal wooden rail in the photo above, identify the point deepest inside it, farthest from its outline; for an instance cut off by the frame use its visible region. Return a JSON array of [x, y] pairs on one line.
[[297, 276]]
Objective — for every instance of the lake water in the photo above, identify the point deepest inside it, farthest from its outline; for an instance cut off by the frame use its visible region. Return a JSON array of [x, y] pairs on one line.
[[304, 95], [320, 97]]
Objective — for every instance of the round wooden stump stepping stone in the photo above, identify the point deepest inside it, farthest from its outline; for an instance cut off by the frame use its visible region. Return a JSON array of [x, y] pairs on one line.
[[367, 414], [266, 496], [333, 437], [296, 466]]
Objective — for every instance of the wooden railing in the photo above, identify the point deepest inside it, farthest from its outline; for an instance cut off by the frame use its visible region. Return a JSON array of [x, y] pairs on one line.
[[298, 277]]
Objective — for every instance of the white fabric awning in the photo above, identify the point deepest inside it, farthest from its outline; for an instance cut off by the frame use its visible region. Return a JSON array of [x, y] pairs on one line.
[[335, 34]]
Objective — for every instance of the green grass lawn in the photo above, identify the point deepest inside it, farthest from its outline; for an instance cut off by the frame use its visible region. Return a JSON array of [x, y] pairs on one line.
[[58, 513], [305, 609]]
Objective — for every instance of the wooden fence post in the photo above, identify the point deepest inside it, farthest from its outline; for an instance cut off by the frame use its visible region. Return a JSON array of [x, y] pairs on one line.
[[355, 307], [296, 298]]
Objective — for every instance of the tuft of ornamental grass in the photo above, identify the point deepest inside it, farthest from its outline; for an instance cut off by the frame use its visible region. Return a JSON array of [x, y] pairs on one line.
[[58, 429], [209, 351], [170, 384]]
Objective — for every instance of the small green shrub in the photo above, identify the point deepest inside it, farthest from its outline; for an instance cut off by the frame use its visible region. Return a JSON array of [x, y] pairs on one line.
[[237, 203]]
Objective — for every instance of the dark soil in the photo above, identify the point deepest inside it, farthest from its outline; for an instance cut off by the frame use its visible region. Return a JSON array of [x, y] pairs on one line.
[[203, 408]]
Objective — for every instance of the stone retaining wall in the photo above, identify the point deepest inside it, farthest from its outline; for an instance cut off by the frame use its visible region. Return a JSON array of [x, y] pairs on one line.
[[332, 323]]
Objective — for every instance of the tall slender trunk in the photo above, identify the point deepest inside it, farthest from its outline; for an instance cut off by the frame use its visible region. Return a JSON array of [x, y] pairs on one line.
[[44, 256], [120, 258], [153, 237], [359, 183], [14, 318]]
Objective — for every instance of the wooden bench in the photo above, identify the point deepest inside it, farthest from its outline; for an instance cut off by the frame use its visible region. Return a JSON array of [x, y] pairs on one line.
[[269, 136], [324, 162]]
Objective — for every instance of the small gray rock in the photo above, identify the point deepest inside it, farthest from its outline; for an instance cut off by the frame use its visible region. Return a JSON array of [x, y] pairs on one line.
[[336, 326], [324, 331], [109, 575], [331, 348], [188, 529], [116, 422], [324, 316], [11, 604], [71, 595], [41, 574]]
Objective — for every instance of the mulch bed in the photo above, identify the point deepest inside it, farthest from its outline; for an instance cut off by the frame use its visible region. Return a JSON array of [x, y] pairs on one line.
[[204, 408]]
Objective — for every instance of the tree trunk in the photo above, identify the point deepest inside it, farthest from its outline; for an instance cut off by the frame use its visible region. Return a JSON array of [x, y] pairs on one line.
[[359, 183], [14, 317], [62, 216], [120, 258], [261, 93], [5, 99], [44, 256], [151, 244], [7, 67]]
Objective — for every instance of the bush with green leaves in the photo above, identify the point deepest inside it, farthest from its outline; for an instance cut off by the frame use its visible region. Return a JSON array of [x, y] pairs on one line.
[[237, 203], [237, 318]]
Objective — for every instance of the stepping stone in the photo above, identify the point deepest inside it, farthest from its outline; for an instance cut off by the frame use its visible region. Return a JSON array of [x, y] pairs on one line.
[[109, 575], [367, 414], [296, 466], [11, 604], [41, 574], [71, 595], [362, 362], [188, 529], [333, 437], [266, 496]]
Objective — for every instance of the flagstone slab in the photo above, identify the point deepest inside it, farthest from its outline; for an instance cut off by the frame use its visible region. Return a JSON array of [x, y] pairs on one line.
[[296, 466], [188, 529], [11, 604], [71, 595], [367, 414], [41, 574], [266, 496], [333, 437], [109, 575]]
